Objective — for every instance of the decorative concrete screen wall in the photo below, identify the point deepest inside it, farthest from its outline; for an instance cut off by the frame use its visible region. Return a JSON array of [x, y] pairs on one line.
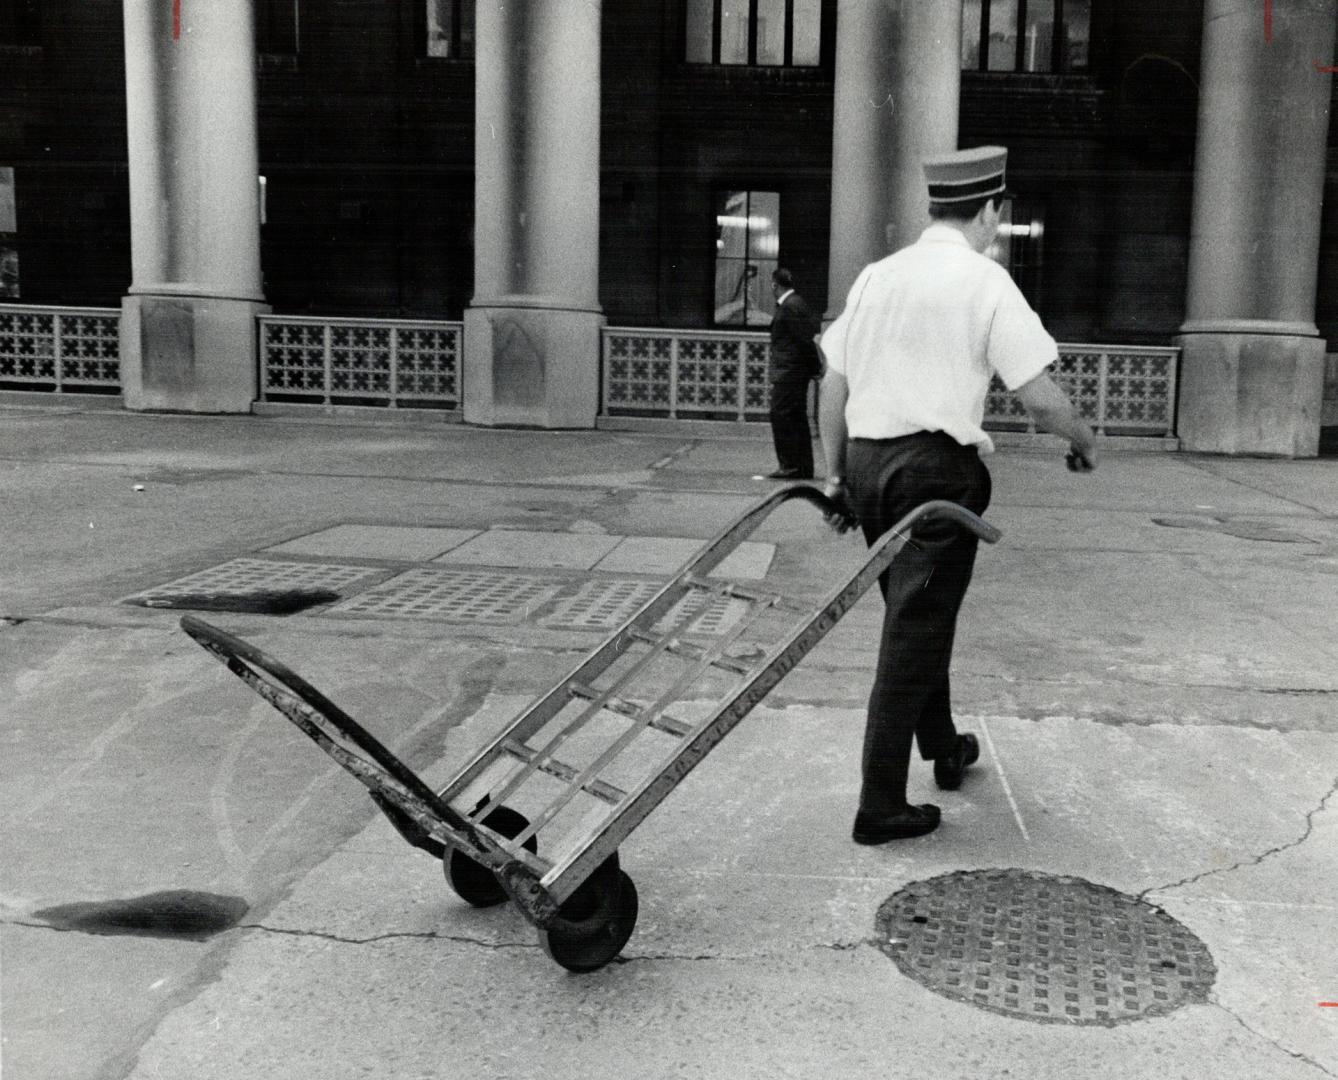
[[385, 362], [60, 350], [708, 375], [1119, 390], [669, 374], [685, 374]]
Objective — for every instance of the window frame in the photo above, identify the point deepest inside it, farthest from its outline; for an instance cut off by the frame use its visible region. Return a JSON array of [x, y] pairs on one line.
[[719, 193], [787, 62], [1021, 253], [1059, 40], [457, 53]]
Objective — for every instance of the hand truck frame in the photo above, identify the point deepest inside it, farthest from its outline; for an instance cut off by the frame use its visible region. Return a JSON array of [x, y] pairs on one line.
[[582, 903]]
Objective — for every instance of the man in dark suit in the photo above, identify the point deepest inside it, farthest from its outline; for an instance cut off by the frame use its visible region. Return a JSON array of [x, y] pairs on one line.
[[795, 362]]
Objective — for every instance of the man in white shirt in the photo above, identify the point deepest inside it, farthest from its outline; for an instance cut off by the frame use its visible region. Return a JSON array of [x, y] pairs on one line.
[[909, 363]]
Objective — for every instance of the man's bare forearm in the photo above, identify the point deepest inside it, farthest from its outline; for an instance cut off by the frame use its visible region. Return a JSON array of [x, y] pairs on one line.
[[1052, 410], [832, 420], [1064, 420]]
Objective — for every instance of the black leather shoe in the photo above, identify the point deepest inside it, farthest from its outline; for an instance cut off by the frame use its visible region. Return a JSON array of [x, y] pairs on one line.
[[789, 474], [950, 769], [899, 825]]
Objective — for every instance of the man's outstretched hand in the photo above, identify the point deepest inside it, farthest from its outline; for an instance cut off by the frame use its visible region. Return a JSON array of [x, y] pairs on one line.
[[1080, 458]]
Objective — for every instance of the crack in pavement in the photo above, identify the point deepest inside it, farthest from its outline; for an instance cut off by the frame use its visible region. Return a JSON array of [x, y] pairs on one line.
[[1275, 1043], [425, 935], [463, 939], [1255, 860]]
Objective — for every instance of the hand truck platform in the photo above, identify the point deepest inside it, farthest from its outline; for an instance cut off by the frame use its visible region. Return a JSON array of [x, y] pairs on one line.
[[536, 816]]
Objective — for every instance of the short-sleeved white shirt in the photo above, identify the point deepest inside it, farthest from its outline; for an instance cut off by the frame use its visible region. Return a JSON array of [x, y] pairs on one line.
[[921, 332]]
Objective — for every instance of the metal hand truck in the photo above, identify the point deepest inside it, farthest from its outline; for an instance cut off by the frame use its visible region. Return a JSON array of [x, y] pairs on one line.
[[592, 757]]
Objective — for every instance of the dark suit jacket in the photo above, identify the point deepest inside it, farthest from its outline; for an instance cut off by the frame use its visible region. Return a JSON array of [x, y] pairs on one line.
[[793, 351]]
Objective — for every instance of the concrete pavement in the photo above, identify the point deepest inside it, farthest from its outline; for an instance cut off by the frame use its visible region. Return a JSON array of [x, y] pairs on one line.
[[1148, 656]]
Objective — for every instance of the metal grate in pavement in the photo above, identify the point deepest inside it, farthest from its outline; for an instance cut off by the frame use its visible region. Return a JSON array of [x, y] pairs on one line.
[[453, 596], [701, 614], [1044, 948], [246, 577], [606, 605], [600, 605]]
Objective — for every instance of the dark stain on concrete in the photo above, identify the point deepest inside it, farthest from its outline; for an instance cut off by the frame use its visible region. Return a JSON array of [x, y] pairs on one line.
[[259, 601], [177, 913]]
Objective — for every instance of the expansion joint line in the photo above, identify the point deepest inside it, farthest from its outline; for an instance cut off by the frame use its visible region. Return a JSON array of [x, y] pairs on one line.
[[1255, 860]]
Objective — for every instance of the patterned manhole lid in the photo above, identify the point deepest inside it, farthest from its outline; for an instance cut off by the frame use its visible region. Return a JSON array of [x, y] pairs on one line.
[[1038, 947], [452, 596]]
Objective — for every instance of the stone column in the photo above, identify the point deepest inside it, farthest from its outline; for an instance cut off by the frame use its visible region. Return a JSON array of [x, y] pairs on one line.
[[898, 84], [188, 337], [532, 330], [1252, 371]]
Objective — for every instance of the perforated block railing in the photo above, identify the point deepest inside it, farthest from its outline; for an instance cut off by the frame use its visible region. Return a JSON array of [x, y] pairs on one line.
[[334, 361], [59, 349], [686, 374], [716, 375]]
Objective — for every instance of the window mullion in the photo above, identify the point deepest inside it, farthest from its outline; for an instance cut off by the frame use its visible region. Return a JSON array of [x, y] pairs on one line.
[[1058, 40], [747, 240], [717, 18], [752, 33], [1020, 32], [788, 55], [984, 64]]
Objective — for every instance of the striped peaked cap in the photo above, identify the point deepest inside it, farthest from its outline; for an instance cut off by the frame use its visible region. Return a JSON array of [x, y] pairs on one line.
[[966, 174]]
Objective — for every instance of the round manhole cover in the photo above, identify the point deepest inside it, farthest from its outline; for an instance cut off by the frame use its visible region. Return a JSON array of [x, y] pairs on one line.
[[1045, 948]]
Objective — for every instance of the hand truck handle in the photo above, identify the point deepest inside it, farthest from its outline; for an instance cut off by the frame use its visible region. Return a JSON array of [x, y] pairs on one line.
[[935, 508], [959, 515]]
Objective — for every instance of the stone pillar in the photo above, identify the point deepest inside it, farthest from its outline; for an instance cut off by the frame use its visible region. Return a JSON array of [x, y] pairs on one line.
[[188, 337], [1252, 371], [532, 330], [898, 84]]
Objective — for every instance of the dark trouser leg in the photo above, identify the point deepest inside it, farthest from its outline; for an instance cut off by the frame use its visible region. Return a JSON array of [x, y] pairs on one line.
[[924, 588], [789, 424], [911, 696]]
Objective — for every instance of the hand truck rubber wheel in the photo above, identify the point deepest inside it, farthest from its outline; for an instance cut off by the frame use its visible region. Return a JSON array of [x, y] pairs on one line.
[[473, 882], [595, 922]]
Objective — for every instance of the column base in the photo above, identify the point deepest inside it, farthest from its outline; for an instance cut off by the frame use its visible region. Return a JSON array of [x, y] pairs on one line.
[[531, 367], [188, 353], [1251, 394]]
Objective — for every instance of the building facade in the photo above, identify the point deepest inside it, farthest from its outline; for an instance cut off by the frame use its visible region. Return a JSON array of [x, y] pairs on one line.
[[541, 170]]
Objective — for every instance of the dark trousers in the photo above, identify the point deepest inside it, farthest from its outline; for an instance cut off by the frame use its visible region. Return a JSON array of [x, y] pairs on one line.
[[789, 423], [923, 589]]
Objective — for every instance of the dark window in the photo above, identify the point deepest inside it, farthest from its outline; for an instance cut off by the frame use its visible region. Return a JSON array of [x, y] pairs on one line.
[[1026, 35], [276, 27], [20, 22], [747, 229], [450, 29], [764, 33]]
